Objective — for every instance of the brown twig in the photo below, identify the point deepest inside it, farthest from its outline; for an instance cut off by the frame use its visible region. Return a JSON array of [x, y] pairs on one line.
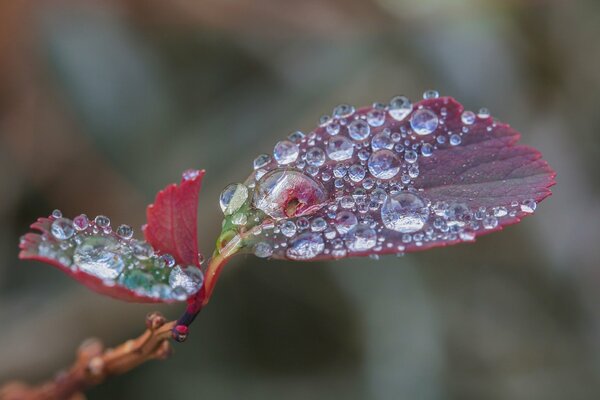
[[94, 364]]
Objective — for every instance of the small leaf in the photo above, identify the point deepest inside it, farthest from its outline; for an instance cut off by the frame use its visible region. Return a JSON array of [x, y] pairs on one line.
[[164, 269], [392, 178], [172, 219]]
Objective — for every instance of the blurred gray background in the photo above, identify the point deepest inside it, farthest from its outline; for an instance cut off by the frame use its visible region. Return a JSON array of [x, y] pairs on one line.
[[102, 103]]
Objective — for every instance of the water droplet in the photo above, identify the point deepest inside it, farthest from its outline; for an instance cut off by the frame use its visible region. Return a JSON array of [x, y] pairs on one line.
[[288, 228], [142, 250], [333, 128], [468, 117], [528, 206], [384, 164], [261, 161], [306, 246], [359, 130], [99, 256], [376, 117], [361, 238], [315, 156], [356, 173], [423, 122], [382, 141], [457, 214], [81, 222], [169, 260], [455, 139], [57, 214], [490, 222], [190, 278], [340, 148], [125, 231], [427, 150], [233, 197], [345, 221], [190, 174], [404, 212], [284, 193], [239, 219], [318, 224], [483, 113], [343, 111], [62, 229], [263, 250], [285, 152], [431, 94], [400, 107], [102, 221], [500, 211], [340, 170], [410, 156], [296, 137]]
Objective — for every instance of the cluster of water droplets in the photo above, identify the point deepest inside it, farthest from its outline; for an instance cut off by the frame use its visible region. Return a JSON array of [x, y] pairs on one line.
[[351, 186], [92, 246]]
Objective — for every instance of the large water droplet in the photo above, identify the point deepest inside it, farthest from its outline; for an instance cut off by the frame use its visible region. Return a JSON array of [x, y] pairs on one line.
[[263, 250], [468, 117], [285, 152], [400, 107], [99, 256], [233, 197], [404, 212], [62, 229], [340, 148], [361, 238], [284, 193], [306, 246], [384, 164], [423, 122]]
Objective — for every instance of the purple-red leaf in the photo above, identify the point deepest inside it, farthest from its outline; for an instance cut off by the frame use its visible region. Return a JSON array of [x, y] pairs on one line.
[[172, 220], [385, 179]]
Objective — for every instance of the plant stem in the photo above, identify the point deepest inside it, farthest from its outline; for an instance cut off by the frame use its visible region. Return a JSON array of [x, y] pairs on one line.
[[94, 364]]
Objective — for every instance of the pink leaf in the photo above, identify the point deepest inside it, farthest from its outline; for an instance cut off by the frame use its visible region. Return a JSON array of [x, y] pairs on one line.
[[386, 179], [172, 219]]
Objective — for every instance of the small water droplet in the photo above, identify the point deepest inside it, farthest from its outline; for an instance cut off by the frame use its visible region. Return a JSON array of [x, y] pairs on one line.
[[261, 161], [233, 197], [359, 130], [400, 107], [431, 94], [306, 246], [318, 224], [263, 250], [356, 173], [57, 214], [528, 206], [125, 231], [285, 152], [490, 222], [483, 113], [190, 174], [81, 222], [189, 278], [361, 238], [384, 164], [410, 156], [381, 141], [404, 212], [288, 228], [424, 122], [62, 229], [340, 148], [343, 111], [315, 156], [376, 117], [455, 139], [296, 137], [169, 260], [102, 221], [345, 221], [468, 117], [427, 150]]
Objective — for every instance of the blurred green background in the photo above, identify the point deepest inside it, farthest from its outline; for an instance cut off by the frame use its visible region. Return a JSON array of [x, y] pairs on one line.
[[102, 103]]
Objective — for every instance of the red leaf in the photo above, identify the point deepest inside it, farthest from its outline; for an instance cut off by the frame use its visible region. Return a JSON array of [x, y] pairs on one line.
[[172, 219], [390, 179]]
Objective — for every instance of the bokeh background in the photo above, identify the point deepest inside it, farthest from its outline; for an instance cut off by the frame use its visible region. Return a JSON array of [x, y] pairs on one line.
[[104, 102]]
